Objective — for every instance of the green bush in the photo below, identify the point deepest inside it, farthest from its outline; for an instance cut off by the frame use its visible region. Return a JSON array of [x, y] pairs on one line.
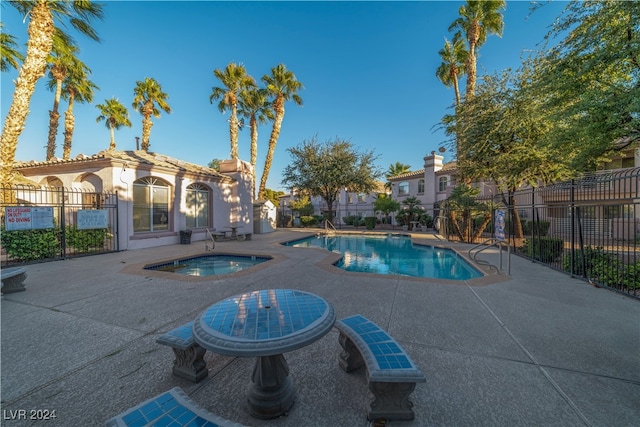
[[603, 267], [353, 220], [31, 245], [545, 249], [83, 240], [529, 228], [370, 222], [308, 221]]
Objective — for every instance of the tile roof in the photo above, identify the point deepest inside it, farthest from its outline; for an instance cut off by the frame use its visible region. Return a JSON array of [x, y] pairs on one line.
[[137, 156]]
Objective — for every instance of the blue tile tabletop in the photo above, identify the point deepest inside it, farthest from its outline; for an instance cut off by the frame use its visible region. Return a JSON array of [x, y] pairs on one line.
[[264, 322]]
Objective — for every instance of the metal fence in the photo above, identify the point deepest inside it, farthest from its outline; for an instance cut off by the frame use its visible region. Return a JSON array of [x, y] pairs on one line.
[[587, 227], [50, 223]]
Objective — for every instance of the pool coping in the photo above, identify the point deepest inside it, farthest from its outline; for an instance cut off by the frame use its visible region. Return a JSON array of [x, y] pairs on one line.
[[139, 268], [328, 263]]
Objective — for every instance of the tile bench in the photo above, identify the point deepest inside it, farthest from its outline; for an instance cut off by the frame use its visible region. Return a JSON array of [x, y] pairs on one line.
[[392, 375], [173, 408], [189, 363], [12, 279]]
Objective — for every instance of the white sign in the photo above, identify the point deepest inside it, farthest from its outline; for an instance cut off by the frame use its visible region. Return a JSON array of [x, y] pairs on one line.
[[500, 223], [92, 218], [28, 218]]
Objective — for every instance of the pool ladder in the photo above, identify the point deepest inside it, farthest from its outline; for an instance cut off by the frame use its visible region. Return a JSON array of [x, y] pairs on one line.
[[329, 229], [208, 239], [489, 243]]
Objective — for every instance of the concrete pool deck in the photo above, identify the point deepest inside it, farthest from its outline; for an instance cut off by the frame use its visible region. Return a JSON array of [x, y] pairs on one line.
[[531, 349]]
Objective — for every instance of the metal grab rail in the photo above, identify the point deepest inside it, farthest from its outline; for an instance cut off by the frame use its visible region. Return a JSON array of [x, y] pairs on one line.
[[206, 241], [327, 226], [493, 242]]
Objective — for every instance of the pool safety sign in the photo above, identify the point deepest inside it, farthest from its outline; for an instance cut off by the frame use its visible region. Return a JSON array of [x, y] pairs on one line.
[[500, 223], [92, 218], [28, 218]]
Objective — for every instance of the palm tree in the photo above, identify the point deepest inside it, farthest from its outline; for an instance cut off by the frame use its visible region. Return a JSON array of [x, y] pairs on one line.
[[281, 86], [454, 57], [478, 19], [147, 94], [41, 30], [61, 62], [77, 87], [115, 115], [394, 170], [9, 56], [235, 79], [255, 106]]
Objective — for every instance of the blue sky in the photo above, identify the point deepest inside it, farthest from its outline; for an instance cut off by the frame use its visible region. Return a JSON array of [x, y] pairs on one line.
[[368, 70]]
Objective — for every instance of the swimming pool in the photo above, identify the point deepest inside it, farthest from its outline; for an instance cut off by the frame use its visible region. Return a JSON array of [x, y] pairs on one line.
[[209, 265], [392, 254]]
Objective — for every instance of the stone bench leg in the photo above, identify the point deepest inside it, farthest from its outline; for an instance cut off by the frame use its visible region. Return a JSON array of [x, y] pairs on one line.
[[391, 401], [14, 284], [350, 357], [189, 363]]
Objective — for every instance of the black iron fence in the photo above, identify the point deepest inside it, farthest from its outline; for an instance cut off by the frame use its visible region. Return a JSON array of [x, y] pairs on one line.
[[587, 227], [50, 223]]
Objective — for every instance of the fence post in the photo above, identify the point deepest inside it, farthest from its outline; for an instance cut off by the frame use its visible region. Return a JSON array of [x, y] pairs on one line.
[[63, 228]]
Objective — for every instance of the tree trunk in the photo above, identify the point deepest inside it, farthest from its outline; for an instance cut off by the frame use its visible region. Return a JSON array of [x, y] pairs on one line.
[[40, 30], [69, 124], [54, 118], [146, 132], [253, 124], [112, 132], [273, 140], [233, 131]]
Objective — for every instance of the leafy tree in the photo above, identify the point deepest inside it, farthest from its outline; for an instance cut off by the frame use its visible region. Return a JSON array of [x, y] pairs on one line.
[[324, 169], [395, 170], [281, 86], [590, 81], [9, 56], [147, 98], [385, 205], [303, 205], [478, 19], [115, 115], [42, 15], [235, 79], [273, 196], [410, 210], [76, 87], [214, 164], [256, 107]]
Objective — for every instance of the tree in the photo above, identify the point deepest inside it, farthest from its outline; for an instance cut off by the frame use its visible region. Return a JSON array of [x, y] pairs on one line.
[[9, 56], [478, 19], [41, 29], [273, 195], [395, 170], [589, 82], [214, 164], [325, 169], [147, 98], [235, 79], [454, 57], [115, 115], [256, 107], [281, 86], [76, 87], [410, 209], [385, 205], [62, 61]]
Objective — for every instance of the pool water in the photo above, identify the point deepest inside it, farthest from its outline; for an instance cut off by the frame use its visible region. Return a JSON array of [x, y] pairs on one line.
[[392, 254], [209, 265]]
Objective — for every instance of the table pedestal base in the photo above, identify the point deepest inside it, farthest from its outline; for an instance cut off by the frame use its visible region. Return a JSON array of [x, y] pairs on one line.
[[271, 391]]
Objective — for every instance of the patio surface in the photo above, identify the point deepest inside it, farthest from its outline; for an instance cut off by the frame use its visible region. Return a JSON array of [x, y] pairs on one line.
[[537, 348]]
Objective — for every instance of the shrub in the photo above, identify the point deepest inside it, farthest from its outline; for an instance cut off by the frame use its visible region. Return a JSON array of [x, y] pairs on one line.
[[603, 267], [370, 222], [529, 228], [545, 249], [308, 221], [83, 240], [31, 245]]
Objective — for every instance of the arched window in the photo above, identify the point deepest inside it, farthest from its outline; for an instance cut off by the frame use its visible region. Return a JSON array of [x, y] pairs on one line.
[[442, 183], [198, 206], [150, 205], [421, 186]]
